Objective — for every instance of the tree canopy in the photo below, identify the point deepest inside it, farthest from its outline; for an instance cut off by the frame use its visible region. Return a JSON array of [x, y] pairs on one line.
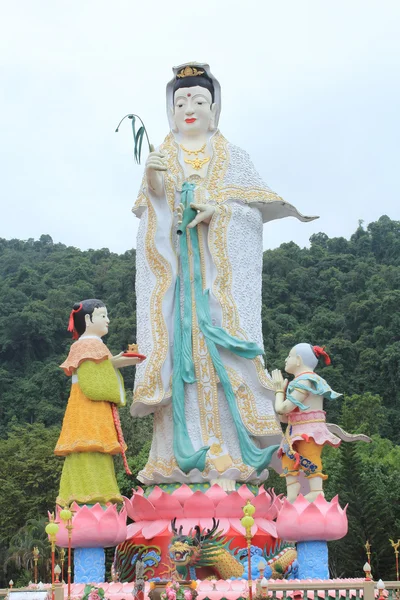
[[340, 293]]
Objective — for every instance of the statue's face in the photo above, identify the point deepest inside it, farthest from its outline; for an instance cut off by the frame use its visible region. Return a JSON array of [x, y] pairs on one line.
[[193, 110], [292, 361], [98, 325]]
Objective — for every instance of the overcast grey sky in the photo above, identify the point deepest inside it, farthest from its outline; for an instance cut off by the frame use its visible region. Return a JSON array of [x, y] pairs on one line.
[[310, 88]]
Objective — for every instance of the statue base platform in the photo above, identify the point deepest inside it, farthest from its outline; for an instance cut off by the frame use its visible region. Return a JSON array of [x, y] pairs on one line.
[[183, 532], [235, 589]]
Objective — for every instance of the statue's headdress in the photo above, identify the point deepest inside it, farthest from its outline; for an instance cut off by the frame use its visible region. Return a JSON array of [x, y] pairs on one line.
[[189, 72]]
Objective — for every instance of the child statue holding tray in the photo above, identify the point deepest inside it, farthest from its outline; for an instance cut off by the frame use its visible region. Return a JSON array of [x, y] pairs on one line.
[[91, 432]]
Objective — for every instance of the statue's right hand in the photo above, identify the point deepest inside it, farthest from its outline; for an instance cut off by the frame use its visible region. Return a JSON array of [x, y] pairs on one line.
[[155, 165], [278, 382]]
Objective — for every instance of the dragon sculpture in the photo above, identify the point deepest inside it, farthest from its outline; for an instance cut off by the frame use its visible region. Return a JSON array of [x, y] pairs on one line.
[[127, 556], [208, 551]]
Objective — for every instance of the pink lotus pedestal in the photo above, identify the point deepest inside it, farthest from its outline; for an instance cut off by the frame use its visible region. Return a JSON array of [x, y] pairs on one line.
[[312, 525], [93, 529]]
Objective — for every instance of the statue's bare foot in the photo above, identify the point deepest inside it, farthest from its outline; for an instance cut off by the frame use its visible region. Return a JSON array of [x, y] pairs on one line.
[[228, 485], [311, 496]]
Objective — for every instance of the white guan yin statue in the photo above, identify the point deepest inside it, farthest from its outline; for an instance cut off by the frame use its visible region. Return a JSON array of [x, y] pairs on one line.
[[199, 253]]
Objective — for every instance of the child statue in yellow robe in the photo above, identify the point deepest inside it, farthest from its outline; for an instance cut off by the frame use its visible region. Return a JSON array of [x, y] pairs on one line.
[[91, 432]]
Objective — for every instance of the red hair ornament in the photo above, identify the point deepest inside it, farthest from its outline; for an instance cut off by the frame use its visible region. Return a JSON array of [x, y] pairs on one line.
[[71, 323], [320, 353]]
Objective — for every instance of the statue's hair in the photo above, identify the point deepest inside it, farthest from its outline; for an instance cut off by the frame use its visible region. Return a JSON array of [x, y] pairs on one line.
[[83, 308], [306, 353], [201, 80]]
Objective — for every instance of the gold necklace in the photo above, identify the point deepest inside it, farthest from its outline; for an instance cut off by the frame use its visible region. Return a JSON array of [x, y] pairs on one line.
[[196, 163], [196, 152]]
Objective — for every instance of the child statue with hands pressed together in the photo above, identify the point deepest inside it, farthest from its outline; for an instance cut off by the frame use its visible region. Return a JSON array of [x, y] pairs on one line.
[[91, 432], [300, 404]]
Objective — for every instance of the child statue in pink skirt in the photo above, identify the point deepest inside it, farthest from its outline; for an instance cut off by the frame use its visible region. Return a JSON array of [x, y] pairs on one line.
[[300, 404]]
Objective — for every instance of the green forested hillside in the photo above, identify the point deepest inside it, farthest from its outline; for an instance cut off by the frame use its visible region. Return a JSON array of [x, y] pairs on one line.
[[340, 293]]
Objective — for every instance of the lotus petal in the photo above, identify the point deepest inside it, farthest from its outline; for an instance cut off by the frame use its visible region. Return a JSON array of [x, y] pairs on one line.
[[141, 509], [287, 521], [207, 523], [198, 505], [84, 519], [107, 527], [312, 522], [230, 506], [224, 525], [139, 491], [322, 504], [245, 493], [267, 526], [216, 493], [122, 523], [109, 531], [166, 506], [134, 528], [300, 503], [264, 507], [336, 524], [183, 493], [154, 528], [97, 510]]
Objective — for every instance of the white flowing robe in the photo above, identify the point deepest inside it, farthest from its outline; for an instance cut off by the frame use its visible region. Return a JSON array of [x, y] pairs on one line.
[[231, 251]]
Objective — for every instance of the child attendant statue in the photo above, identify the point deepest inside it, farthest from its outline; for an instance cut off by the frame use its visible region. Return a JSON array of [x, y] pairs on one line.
[[301, 406], [91, 432]]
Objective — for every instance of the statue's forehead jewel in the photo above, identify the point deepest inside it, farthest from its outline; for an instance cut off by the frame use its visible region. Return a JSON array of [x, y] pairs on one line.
[[191, 69]]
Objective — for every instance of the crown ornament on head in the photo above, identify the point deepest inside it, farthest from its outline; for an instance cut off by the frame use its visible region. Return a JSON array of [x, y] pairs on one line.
[[189, 72]]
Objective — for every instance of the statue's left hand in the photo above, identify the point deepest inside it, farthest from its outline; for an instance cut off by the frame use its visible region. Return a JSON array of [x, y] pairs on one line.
[[119, 361], [204, 215]]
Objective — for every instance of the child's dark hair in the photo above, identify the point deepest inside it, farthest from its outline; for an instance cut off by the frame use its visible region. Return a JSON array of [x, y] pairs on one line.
[[77, 322]]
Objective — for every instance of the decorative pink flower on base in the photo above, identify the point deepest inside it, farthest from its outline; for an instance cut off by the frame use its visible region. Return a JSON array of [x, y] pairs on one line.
[[93, 527], [153, 515], [305, 521]]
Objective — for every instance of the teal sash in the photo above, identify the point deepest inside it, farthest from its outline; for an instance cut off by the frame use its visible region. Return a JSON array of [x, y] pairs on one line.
[[183, 371]]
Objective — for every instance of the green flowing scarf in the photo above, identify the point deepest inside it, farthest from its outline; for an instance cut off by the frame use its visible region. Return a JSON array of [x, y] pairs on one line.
[[183, 371]]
